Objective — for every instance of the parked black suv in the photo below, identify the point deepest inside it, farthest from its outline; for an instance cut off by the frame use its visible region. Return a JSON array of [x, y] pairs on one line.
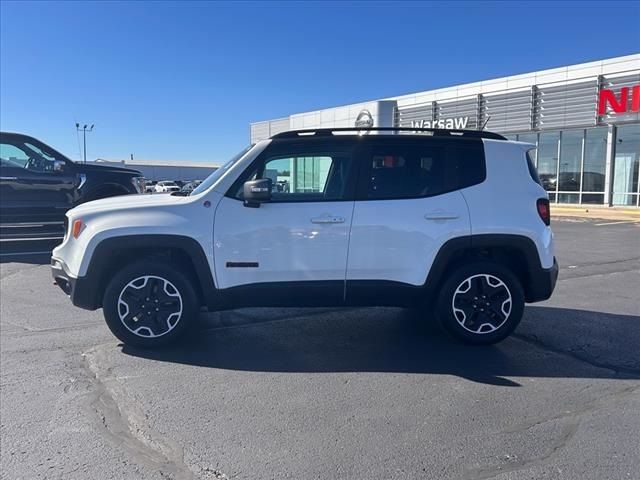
[[39, 184]]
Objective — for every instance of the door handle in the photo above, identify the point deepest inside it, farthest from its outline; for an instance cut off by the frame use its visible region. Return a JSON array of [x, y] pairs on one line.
[[327, 219], [8, 178], [441, 215]]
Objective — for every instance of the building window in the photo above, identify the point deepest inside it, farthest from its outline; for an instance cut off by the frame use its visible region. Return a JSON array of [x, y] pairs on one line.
[[626, 165], [570, 167], [571, 164], [548, 162], [528, 138], [533, 139], [594, 169]]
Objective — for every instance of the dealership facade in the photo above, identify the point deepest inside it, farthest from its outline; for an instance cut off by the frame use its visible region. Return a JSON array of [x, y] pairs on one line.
[[584, 120]]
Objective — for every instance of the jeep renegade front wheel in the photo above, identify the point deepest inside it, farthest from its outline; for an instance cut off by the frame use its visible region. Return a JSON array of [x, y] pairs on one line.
[[481, 303], [149, 304]]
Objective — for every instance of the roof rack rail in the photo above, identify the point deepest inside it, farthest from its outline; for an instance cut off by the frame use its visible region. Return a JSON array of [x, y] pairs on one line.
[[437, 132]]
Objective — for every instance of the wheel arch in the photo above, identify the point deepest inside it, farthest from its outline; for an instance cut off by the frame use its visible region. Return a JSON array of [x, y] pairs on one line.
[[184, 252], [517, 252]]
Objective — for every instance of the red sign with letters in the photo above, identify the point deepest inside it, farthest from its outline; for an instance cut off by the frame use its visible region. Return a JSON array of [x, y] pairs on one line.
[[619, 103]]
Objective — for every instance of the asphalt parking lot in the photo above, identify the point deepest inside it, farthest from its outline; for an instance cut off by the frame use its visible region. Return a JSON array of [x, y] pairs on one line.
[[361, 393]]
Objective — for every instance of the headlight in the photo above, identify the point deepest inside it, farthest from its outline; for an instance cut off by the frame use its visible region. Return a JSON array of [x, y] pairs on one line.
[[138, 184]]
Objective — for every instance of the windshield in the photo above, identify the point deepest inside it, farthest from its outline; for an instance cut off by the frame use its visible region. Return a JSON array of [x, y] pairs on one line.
[[213, 178]]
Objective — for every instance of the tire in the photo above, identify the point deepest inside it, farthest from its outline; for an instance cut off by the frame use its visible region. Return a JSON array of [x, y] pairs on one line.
[[172, 304], [481, 303]]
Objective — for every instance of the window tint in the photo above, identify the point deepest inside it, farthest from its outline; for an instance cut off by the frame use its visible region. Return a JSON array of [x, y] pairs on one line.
[[465, 165], [303, 177], [422, 170]]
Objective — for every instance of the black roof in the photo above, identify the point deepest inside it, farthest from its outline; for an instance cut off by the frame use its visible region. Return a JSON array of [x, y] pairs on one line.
[[436, 132]]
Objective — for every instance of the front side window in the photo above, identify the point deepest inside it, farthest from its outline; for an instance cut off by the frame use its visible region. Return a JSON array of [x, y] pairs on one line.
[[296, 175], [421, 170], [12, 156], [16, 153], [303, 177]]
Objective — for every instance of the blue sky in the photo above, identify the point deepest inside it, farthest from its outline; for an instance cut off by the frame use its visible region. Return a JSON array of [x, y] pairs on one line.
[[184, 80]]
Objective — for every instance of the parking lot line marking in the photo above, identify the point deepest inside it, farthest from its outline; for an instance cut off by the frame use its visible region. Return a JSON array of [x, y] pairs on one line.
[[22, 253], [615, 223]]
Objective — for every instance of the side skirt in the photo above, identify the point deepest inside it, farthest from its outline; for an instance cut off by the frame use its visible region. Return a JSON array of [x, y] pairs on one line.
[[370, 293], [281, 294]]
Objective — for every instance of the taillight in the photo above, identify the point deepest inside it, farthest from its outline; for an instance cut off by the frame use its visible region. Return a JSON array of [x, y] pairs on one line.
[[77, 228], [544, 210]]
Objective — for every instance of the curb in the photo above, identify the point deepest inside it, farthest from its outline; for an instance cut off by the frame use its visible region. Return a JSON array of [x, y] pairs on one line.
[[604, 213]]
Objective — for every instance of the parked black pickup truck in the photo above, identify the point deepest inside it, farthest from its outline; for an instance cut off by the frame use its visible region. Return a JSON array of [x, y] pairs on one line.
[[39, 184]]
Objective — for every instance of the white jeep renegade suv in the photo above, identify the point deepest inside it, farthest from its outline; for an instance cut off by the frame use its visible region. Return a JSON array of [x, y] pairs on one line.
[[454, 222]]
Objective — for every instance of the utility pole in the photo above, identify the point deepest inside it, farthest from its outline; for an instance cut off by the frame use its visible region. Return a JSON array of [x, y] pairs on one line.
[[84, 131]]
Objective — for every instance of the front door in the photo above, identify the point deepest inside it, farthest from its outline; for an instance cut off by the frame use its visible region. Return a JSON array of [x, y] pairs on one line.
[[32, 187], [296, 244]]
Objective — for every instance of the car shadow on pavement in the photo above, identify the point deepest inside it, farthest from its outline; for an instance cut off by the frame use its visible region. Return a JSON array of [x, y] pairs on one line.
[[550, 342]]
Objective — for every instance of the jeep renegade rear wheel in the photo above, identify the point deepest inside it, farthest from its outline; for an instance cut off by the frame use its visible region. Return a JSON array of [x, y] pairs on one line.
[[481, 303], [149, 304]]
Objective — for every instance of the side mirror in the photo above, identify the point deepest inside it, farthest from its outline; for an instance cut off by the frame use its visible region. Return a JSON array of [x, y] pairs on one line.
[[256, 192], [58, 166]]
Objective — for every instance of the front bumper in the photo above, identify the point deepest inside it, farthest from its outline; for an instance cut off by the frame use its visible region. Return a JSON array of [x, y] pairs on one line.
[[542, 283], [78, 289]]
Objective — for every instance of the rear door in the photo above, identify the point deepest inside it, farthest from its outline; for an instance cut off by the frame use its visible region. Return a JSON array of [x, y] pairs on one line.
[[292, 249], [408, 204]]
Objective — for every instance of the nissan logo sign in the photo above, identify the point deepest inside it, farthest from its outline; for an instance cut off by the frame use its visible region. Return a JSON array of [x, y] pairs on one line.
[[364, 119]]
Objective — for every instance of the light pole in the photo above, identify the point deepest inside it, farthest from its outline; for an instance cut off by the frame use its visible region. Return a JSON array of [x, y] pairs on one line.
[[84, 131]]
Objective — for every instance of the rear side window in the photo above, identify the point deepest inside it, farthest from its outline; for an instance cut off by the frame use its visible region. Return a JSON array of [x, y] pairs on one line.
[[421, 169], [465, 165], [531, 164]]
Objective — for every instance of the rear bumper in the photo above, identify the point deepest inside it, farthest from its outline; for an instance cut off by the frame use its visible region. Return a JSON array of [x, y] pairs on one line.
[[78, 289], [542, 283]]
